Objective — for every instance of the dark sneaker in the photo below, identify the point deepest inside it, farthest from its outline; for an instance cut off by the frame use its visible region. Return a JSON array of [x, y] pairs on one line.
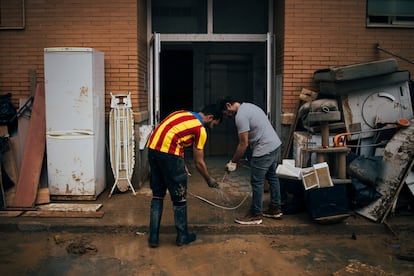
[[249, 219], [273, 212]]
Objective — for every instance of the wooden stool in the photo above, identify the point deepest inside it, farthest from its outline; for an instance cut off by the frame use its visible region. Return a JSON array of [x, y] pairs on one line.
[[337, 163]]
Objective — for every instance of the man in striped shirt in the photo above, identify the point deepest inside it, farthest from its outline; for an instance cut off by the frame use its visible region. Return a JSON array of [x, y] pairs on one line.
[[166, 146]]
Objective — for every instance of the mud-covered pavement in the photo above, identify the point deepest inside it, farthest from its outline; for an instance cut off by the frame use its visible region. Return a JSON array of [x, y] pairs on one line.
[[46, 253], [116, 244]]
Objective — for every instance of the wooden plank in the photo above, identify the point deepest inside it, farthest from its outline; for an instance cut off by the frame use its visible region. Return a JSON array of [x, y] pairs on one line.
[[307, 95], [287, 149], [10, 213], [20, 209], [18, 141], [43, 196], [332, 219], [34, 150], [70, 207], [62, 214]]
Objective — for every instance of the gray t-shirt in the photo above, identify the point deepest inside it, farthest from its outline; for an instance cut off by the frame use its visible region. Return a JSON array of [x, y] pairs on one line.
[[262, 136]]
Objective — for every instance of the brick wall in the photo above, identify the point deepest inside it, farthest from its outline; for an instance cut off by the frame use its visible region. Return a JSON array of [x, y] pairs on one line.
[[320, 34], [310, 35], [108, 26]]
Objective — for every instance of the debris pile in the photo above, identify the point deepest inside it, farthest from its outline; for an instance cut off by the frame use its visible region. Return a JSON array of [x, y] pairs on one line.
[[359, 125]]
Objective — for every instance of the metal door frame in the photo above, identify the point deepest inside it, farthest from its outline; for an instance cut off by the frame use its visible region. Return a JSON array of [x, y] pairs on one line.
[[273, 99], [154, 80]]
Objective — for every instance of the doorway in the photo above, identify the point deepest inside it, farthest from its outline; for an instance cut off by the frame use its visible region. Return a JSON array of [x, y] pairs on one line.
[[194, 75], [203, 50], [176, 81]]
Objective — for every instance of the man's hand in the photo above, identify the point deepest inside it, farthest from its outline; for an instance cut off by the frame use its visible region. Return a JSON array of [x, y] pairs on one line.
[[231, 167], [213, 184]]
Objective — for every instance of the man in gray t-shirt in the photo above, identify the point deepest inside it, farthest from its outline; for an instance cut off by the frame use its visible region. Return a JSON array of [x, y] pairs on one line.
[[255, 131]]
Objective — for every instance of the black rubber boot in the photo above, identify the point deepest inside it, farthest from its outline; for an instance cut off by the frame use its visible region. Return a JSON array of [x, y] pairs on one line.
[[180, 219], [155, 220]]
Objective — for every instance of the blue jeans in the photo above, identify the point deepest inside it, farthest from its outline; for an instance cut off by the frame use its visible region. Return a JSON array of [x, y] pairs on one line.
[[264, 167]]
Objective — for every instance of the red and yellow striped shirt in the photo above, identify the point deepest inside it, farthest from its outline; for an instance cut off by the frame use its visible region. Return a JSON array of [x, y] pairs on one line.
[[179, 130]]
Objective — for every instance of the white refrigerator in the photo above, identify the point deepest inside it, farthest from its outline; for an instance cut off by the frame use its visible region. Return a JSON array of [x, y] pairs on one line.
[[75, 122]]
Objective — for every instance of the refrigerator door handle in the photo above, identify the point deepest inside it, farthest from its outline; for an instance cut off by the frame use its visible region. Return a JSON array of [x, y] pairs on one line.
[[69, 137], [69, 134]]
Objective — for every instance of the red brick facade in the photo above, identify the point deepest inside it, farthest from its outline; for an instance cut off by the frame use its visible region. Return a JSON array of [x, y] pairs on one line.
[[320, 34], [310, 35], [108, 26]]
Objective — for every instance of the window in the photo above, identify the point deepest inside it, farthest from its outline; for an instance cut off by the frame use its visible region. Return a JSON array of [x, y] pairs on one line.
[[390, 13], [240, 16], [225, 16], [12, 15], [185, 16]]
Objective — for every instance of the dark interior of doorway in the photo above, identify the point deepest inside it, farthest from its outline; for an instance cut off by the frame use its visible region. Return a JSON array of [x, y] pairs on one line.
[[176, 81]]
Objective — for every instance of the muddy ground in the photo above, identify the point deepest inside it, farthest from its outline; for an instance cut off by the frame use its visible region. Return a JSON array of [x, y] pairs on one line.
[[45, 253], [127, 253]]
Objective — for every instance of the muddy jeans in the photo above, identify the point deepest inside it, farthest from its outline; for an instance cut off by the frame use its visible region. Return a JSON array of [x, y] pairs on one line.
[[264, 167], [167, 172]]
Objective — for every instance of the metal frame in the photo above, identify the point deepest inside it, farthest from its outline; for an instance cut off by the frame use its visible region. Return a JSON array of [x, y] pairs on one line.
[[23, 21], [154, 40], [123, 124]]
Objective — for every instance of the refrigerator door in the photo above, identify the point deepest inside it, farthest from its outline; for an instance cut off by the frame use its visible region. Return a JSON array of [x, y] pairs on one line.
[[74, 84], [75, 167]]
